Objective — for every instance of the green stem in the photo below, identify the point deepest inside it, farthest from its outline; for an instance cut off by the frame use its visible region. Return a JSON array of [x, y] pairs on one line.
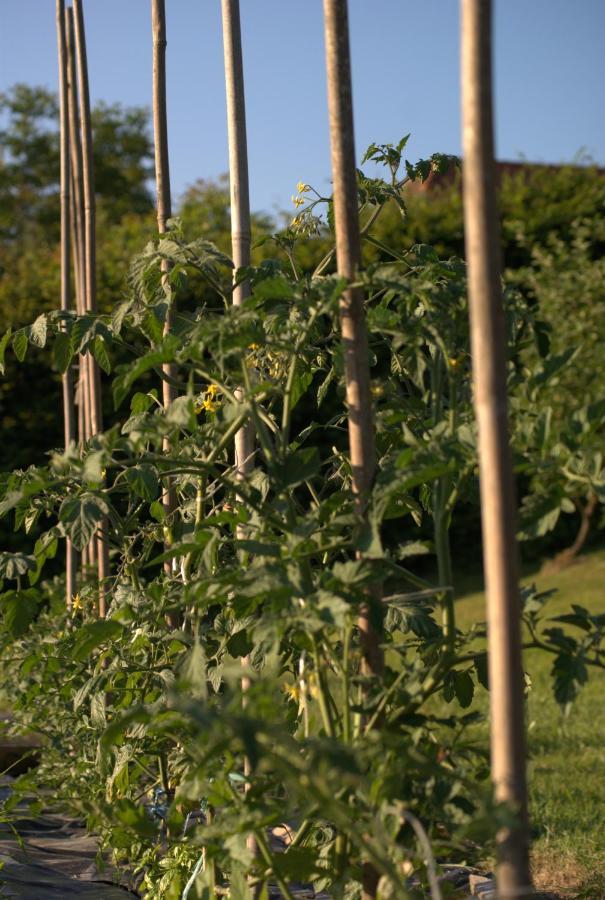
[[324, 706], [346, 713], [444, 561], [163, 772], [287, 410]]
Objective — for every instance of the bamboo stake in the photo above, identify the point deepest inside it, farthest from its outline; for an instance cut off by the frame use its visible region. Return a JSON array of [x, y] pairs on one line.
[[94, 379], [77, 220], [240, 195], [352, 315], [348, 256], [240, 238], [164, 212], [69, 421], [495, 467], [79, 242]]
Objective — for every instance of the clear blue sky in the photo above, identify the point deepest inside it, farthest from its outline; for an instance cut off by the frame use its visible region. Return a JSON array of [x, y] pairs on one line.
[[550, 71]]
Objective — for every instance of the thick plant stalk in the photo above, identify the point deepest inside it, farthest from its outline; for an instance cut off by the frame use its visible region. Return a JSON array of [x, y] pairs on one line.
[[164, 212], [94, 379], [69, 419], [495, 466], [240, 230], [348, 256]]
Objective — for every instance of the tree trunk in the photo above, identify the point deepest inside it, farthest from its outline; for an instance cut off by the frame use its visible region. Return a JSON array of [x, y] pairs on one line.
[[498, 511], [569, 555]]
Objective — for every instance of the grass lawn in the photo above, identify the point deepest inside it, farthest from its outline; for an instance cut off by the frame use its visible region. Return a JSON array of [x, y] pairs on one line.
[[567, 753]]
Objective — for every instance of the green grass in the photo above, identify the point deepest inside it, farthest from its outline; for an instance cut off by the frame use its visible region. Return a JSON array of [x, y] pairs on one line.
[[567, 753]]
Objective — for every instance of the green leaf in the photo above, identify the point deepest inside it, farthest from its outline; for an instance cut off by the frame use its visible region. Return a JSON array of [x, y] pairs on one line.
[[10, 501], [193, 669], [552, 366], [93, 466], [20, 344], [181, 413], [62, 351], [299, 863], [81, 517], [569, 673], [239, 644], [301, 383], [38, 331], [99, 351], [298, 467], [82, 332], [322, 390], [275, 288], [134, 817], [143, 481], [13, 565], [92, 635], [151, 360], [481, 670], [19, 609], [45, 548], [140, 403], [464, 688], [156, 510], [3, 345], [258, 548]]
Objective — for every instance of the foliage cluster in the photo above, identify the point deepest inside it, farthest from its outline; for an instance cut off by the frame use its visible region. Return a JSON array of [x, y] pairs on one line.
[[255, 713]]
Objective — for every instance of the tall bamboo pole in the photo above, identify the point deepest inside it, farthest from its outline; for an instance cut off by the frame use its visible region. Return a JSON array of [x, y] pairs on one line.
[[78, 244], [69, 420], [102, 545], [239, 189], [495, 466], [348, 257], [164, 211], [240, 229], [352, 314], [77, 216]]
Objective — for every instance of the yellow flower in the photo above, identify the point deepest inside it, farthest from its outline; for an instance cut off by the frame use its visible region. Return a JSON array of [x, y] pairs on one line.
[[208, 400], [76, 603], [302, 188], [292, 691], [298, 201], [313, 686]]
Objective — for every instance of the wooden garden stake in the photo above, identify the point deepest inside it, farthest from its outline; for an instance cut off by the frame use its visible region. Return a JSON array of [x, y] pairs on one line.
[[495, 466], [94, 379], [348, 257], [164, 212], [240, 228], [69, 420], [352, 313], [77, 221], [77, 243]]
